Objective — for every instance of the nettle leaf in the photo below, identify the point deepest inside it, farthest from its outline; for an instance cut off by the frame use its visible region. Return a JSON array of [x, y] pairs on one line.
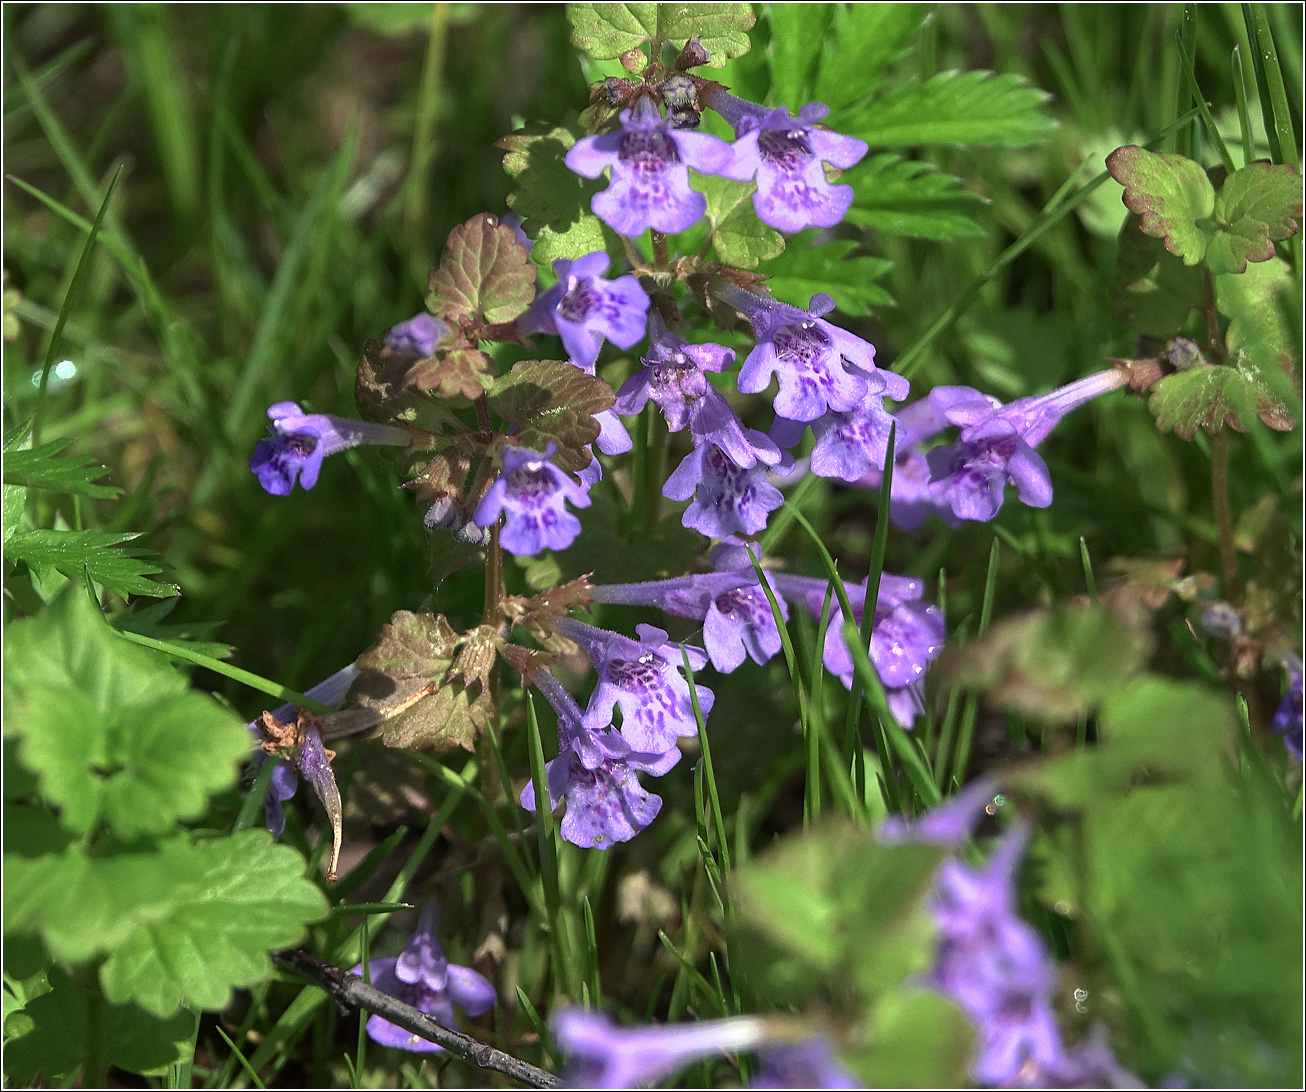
[[867, 39], [408, 684], [739, 237], [236, 898], [126, 571], [43, 468], [904, 197], [953, 108], [606, 31], [1152, 290], [1210, 397], [551, 400], [113, 733], [1055, 664], [466, 372], [553, 201], [484, 275], [801, 272], [1257, 207], [1170, 194]]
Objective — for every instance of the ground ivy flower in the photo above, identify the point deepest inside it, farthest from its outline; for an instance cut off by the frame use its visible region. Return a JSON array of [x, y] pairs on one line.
[[532, 493], [595, 773], [421, 976], [819, 366], [642, 677], [673, 375], [300, 441], [733, 607], [650, 162], [1287, 721], [848, 445], [583, 309], [996, 446], [419, 335], [786, 155]]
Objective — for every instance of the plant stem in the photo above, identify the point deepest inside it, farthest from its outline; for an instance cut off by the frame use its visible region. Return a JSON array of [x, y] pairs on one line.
[[1211, 317], [494, 592], [1223, 515], [661, 257]]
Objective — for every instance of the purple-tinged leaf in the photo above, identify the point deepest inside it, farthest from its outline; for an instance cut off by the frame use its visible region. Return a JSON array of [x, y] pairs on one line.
[[485, 274], [1170, 194]]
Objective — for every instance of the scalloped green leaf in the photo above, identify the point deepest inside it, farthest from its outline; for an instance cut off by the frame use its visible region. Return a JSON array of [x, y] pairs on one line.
[[953, 108], [1170, 194], [485, 274], [466, 372], [905, 197], [1211, 397], [553, 201], [236, 898], [112, 732], [552, 401], [1152, 290], [739, 238], [1256, 207], [802, 271], [606, 31]]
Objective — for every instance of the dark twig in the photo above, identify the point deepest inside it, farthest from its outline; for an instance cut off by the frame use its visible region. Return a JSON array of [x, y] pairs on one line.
[[350, 991]]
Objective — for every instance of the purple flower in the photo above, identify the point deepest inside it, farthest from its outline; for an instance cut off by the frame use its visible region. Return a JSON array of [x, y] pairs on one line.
[[807, 355], [644, 678], [848, 445], [786, 156], [997, 445], [949, 823], [301, 441], [673, 375], [330, 691], [807, 1064], [419, 335], [532, 492], [421, 976], [595, 773], [1287, 720], [613, 437], [650, 164], [583, 309], [736, 615], [602, 1055]]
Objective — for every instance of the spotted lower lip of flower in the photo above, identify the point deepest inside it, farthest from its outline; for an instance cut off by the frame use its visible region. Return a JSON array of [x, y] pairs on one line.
[[810, 358], [643, 678], [673, 375], [420, 976], [649, 162], [532, 493], [727, 499], [583, 308], [786, 154], [300, 442]]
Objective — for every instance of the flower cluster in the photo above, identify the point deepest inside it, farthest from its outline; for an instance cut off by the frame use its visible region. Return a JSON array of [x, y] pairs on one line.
[[993, 964], [421, 976]]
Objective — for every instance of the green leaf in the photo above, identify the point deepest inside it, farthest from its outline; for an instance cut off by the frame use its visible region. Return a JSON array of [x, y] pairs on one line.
[[867, 39], [1256, 305], [553, 201], [485, 274], [236, 898], [1257, 207], [797, 35], [606, 31], [903, 197], [72, 552], [551, 400], [801, 272], [54, 1039], [739, 237], [420, 692], [953, 108], [912, 1038], [390, 19], [148, 621], [383, 393], [41, 468], [112, 732], [1211, 397], [14, 496], [1055, 664], [834, 904], [1153, 291], [1170, 194]]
